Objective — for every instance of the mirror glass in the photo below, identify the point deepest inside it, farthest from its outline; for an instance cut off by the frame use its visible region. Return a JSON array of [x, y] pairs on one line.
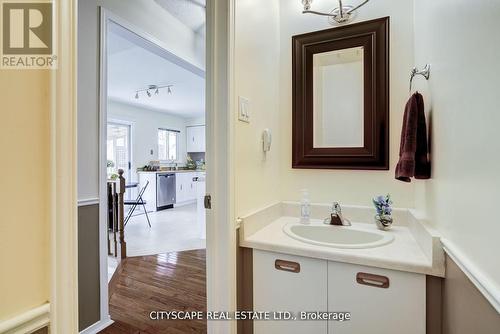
[[338, 98]]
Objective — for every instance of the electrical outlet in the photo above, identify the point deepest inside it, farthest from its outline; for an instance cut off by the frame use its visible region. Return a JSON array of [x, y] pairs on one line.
[[244, 109]]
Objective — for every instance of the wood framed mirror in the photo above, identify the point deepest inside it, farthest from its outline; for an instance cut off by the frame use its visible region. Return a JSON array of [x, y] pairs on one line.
[[341, 97]]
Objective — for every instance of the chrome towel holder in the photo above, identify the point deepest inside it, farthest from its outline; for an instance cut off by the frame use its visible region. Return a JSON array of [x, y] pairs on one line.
[[426, 73]]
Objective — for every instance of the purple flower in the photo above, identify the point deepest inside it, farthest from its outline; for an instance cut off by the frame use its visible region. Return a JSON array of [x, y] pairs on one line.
[[383, 204]]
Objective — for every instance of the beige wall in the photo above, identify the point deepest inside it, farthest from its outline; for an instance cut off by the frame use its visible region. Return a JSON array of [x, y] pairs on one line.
[[462, 198], [353, 187], [25, 193], [465, 310], [256, 78]]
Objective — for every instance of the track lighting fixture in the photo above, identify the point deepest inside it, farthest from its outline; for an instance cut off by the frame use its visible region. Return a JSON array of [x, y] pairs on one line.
[[153, 88]]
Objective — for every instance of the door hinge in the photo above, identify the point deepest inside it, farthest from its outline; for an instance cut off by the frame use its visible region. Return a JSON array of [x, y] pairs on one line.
[[208, 202]]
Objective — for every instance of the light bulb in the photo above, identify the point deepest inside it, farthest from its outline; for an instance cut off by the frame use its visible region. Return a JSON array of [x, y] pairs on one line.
[[307, 4]]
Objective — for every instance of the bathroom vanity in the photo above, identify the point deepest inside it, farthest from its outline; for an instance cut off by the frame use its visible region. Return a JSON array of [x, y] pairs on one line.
[[378, 277]]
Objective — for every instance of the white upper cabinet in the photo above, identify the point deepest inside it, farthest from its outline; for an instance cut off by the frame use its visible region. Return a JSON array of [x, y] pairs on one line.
[[195, 136]]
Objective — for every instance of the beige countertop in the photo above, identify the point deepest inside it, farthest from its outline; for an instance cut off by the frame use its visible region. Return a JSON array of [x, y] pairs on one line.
[[407, 252], [172, 171]]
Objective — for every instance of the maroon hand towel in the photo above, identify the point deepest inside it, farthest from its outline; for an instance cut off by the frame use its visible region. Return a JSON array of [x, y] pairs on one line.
[[413, 152]]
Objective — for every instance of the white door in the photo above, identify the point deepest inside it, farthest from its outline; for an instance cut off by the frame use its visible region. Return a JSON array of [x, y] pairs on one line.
[[289, 283], [119, 149]]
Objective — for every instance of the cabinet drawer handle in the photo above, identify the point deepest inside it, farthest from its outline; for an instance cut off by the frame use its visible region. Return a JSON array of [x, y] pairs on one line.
[[373, 280], [293, 267]]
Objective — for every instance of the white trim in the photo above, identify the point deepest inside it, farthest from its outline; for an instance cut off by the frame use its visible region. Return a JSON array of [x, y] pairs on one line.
[[103, 192], [489, 289], [98, 326], [221, 235], [63, 174], [27, 322], [88, 201]]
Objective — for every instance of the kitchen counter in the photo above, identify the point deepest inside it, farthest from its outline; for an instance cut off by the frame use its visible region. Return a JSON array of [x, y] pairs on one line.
[[415, 248], [172, 171]]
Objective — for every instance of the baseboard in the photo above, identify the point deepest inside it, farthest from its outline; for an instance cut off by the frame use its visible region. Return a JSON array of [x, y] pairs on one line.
[[176, 205], [27, 322], [88, 201], [488, 288], [98, 326]]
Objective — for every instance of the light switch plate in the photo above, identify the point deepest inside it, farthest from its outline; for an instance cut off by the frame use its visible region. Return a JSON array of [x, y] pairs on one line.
[[243, 109]]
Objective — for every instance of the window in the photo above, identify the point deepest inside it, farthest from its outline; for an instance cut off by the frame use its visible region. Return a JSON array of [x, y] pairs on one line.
[[167, 144]]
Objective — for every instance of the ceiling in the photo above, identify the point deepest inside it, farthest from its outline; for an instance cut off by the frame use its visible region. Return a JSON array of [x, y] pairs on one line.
[[189, 12], [134, 64]]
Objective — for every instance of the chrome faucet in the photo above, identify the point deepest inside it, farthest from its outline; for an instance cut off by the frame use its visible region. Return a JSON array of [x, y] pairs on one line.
[[336, 217]]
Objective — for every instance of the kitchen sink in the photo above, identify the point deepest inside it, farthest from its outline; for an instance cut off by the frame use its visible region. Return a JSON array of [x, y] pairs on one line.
[[356, 236]]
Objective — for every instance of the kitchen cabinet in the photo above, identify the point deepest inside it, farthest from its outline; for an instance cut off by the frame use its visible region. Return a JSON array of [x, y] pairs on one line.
[[150, 194], [185, 187], [289, 283], [195, 136], [375, 308], [379, 301]]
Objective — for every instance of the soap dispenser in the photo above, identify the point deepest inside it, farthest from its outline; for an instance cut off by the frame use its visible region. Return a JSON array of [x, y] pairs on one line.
[[305, 207]]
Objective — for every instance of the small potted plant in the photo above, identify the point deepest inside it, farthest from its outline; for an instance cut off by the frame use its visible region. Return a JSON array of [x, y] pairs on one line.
[[383, 205]]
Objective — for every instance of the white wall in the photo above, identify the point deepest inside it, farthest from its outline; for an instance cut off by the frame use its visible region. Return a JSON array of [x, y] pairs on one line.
[[353, 187], [145, 124], [462, 198], [195, 121], [148, 16], [256, 78]]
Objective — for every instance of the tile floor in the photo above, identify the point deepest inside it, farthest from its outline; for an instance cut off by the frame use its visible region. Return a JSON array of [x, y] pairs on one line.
[[172, 230]]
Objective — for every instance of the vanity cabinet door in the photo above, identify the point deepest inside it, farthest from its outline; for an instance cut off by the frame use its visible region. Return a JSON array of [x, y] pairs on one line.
[[289, 283], [375, 307]]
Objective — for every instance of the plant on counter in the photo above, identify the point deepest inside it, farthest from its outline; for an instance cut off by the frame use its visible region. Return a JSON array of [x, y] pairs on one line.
[[383, 205], [190, 164]]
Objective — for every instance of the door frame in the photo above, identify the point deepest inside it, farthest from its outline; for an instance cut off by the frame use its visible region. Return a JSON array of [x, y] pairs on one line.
[[221, 257]]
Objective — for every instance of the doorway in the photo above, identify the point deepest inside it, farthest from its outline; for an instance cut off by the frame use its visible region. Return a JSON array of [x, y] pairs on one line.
[[153, 128]]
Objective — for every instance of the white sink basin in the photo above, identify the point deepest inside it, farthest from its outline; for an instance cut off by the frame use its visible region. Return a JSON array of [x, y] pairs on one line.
[[337, 236]]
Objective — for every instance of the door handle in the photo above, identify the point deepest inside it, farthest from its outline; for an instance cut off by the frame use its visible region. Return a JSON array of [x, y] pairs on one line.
[[376, 281], [293, 267]]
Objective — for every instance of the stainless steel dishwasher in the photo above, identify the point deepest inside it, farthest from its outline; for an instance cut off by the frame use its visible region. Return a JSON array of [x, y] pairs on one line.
[[165, 191]]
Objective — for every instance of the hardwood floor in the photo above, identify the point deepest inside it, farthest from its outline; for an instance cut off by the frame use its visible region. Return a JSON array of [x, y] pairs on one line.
[[164, 282]]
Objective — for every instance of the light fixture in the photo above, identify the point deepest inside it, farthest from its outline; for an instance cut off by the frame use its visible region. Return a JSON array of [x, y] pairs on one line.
[[340, 15], [153, 88]]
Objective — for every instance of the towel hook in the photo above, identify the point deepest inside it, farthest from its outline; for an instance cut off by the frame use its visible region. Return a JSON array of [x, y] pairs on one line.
[[426, 73]]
